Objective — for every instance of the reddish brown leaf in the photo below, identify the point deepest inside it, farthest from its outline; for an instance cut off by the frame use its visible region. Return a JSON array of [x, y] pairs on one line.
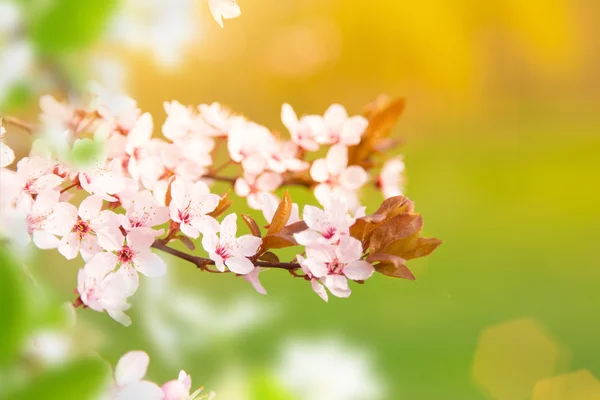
[[423, 247], [391, 265], [168, 196], [282, 215], [394, 206], [254, 229], [223, 205], [383, 115], [294, 228], [187, 242], [399, 227], [357, 230], [278, 241], [269, 257]]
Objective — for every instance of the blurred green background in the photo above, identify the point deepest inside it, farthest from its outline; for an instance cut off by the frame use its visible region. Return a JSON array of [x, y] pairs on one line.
[[502, 140]]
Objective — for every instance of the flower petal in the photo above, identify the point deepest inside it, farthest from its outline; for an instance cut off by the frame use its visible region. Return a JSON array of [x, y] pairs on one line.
[[239, 265], [131, 368]]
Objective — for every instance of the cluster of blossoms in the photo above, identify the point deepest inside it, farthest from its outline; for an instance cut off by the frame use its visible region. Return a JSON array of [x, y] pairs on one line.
[[136, 192], [129, 382]]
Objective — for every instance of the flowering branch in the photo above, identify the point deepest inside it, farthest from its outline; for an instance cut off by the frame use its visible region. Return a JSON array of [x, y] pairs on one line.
[[135, 185], [202, 262]]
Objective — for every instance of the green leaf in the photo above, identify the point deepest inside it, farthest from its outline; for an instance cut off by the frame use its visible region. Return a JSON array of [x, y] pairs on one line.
[[266, 387], [82, 379], [86, 152], [14, 310], [70, 25]]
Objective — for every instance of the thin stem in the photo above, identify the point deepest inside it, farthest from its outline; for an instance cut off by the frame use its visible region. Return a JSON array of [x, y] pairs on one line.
[[202, 262], [19, 123], [71, 186]]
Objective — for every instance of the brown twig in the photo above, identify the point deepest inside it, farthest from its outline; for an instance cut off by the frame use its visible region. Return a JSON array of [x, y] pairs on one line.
[[19, 123], [202, 262]]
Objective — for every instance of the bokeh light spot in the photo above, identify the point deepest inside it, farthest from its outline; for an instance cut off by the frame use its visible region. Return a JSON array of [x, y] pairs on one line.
[[578, 385], [513, 356]]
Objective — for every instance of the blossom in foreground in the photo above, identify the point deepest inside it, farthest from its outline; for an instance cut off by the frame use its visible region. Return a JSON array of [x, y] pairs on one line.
[[130, 384], [229, 250], [391, 177], [40, 220], [336, 178], [189, 205], [7, 155], [131, 253], [327, 369], [36, 175], [129, 375], [79, 227], [105, 179], [334, 265], [144, 212], [223, 9], [328, 225], [105, 292]]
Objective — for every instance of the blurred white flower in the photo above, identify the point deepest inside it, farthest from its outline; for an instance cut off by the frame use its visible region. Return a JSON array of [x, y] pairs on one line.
[[189, 323], [16, 59], [328, 370], [10, 17], [391, 179], [163, 27], [223, 9]]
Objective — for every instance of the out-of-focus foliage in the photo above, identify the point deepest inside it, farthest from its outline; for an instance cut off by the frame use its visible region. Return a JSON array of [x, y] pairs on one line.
[[23, 373], [63, 26]]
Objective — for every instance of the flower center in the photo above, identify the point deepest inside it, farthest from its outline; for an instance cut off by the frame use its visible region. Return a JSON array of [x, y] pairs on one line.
[[223, 252], [125, 254], [185, 216], [335, 267], [82, 228], [329, 232]]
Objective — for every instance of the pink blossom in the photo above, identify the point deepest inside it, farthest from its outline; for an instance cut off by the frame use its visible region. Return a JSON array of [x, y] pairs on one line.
[[229, 250], [335, 264], [189, 205], [245, 145], [40, 220], [136, 142], [105, 292], [7, 155], [104, 179], [129, 375], [217, 119], [252, 278], [36, 174], [391, 178], [119, 112], [341, 129], [162, 161], [282, 156], [144, 212], [131, 253], [80, 227], [303, 130], [317, 287], [181, 121], [255, 188], [328, 225], [178, 389], [337, 179]]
